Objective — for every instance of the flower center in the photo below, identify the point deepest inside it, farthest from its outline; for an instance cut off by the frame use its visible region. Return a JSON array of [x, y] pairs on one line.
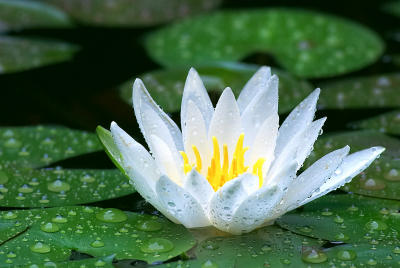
[[219, 172]]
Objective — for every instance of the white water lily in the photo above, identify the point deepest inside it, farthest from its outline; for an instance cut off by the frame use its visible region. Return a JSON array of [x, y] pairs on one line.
[[232, 167]]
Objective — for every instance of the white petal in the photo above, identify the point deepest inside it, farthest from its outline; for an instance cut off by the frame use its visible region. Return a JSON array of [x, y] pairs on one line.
[[152, 120], [255, 84], [351, 166], [140, 167], [199, 187], [227, 199], [181, 204], [256, 210], [196, 92], [166, 160], [313, 178], [263, 105], [297, 121], [225, 123], [195, 133]]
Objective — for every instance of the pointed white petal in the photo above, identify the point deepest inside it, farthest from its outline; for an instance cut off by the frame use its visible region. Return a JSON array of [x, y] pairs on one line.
[[152, 120], [351, 166], [297, 121], [199, 187], [313, 178], [195, 133], [196, 92], [225, 123], [227, 199], [140, 167], [169, 164], [181, 204], [256, 84], [256, 210]]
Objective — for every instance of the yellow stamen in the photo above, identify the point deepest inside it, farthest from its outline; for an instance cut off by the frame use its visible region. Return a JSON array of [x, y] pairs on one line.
[[198, 158], [257, 170], [186, 166]]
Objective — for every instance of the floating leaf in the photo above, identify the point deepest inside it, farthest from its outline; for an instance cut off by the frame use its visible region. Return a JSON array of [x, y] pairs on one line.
[[104, 262], [41, 145], [347, 218], [109, 146], [19, 54], [58, 187], [128, 13], [363, 92], [392, 8], [306, 43], [53, 232], [387, 122], [166, 86], [22, 14], [382, 178]]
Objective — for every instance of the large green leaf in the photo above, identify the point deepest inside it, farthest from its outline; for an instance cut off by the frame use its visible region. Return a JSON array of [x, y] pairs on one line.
[[347, 218], [382, 178], [51, 234], [20, 187], [166, 86], [19, 54], [104, 262], [22, 14], [362, 92], [127, 13], [306, 43], [387, 123]]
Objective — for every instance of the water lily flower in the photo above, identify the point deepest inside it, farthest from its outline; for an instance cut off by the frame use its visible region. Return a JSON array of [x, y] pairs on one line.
[[231, 166]]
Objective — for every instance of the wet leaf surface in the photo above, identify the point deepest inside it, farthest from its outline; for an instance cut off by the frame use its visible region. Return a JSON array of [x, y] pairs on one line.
[[25, 14], [306, 43], [387, 123], [127, 13], [53, 232]]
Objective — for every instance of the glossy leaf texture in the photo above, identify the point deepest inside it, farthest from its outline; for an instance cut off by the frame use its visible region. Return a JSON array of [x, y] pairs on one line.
[[373, 91], [388, 123], [104, 262], [306, 43], [25, 14], [166, 86], [50, 234], [382, 178], [128, 13], [20, 54]]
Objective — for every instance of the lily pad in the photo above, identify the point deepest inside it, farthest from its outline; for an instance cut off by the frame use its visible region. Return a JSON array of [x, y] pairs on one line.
[[306, 43], [23, 14], [127, 13], [54, 232], [387, 123], [347, 218], [382, 178], [166, 86], [59, 187], [104, 262], [363, 92], [19, 54], [40, 146]]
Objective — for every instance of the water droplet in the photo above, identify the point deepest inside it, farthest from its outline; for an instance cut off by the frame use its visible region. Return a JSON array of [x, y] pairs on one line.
[[372, 262], [87, 178], [58, 186], [88, 210], [341, 237], [40, 247], [99, 263], [111, 215], [12, 143], [338, 219], [149, 226], [266, 248], [11, 255], [396, 250], [311, 255], [392, 175], [9, 215], [326, 212], [209, 264], [25, 189], [346, 255], [305, 229], [373, 184], [50, 227], [376, 225], [97, 244], [157, 245], [211, 245], [59, 219], [3, 177], [352, 208]]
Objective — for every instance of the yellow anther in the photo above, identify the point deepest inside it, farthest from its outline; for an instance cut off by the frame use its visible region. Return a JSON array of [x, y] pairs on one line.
[[186, 166], [198, 158], [257, 170]]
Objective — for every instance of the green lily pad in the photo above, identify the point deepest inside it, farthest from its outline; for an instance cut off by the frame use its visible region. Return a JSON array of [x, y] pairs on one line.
[[306, 43], [363, 92], [54, 232], [23, 14], [387, 123], [347, 218], [59, 187], [109, 146], [40, 146], [20, 54], [166, 86], [392, 8], [104, 262], [127, 13], [382, 178]]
